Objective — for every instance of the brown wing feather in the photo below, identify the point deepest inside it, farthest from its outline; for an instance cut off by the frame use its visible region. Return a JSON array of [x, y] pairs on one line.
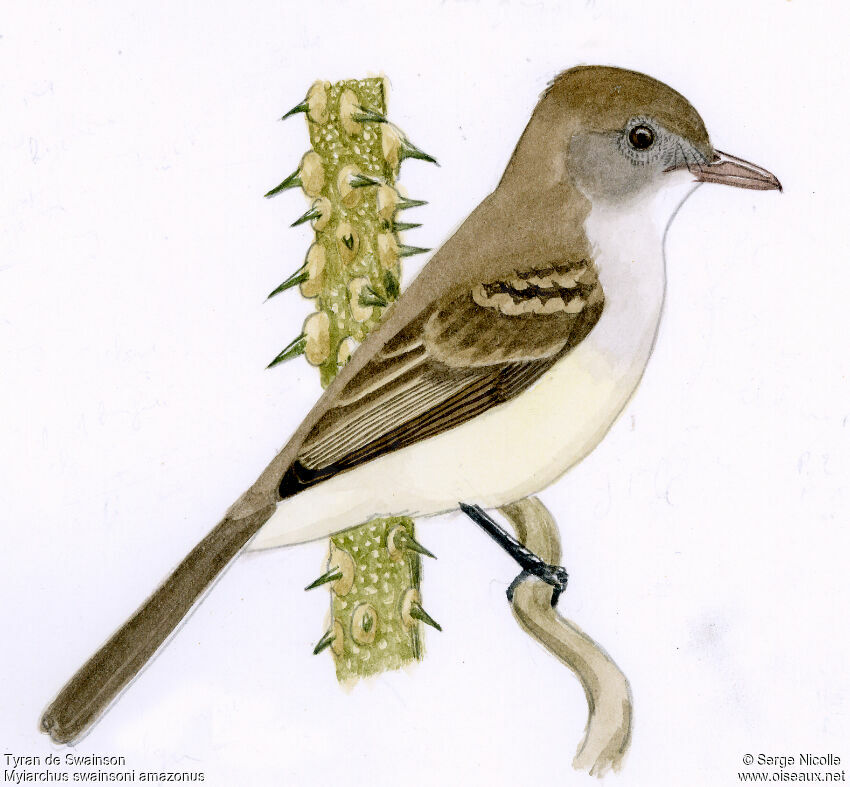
[[525, 317], [469, 353]]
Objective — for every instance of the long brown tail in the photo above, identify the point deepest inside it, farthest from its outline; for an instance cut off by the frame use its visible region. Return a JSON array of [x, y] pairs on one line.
[[87, 695]]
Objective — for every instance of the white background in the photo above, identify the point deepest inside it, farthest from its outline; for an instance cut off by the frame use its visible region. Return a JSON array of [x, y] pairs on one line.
[[706, 537]]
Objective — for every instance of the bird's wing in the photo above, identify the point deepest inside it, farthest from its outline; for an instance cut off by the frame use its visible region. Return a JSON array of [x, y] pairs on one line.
[[471, 350]]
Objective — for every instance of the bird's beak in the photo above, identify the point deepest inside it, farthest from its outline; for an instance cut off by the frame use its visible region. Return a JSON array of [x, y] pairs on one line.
[[734, 172]]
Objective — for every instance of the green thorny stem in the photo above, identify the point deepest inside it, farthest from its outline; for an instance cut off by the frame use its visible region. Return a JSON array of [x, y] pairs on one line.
[[352, 270]]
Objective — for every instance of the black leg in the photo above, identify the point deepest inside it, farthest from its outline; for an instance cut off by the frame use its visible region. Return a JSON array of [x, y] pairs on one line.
[[556, 576]]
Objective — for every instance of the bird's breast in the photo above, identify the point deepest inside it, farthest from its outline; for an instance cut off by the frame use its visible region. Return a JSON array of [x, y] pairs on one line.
[[535, 438]]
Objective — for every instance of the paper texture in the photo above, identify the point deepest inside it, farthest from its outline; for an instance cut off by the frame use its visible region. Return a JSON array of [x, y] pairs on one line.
[[705, 537]]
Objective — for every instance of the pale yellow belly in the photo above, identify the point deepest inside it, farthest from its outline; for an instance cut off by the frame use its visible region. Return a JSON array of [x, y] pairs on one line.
[[510, 452]]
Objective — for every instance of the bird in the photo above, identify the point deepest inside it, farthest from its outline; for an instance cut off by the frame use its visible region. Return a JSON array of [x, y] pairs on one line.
[[501, 366]]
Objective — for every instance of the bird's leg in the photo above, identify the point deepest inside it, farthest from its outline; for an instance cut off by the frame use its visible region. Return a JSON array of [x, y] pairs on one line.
[[556, 576]]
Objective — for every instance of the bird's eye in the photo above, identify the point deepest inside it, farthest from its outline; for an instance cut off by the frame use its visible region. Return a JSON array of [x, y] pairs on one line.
[[641, 137]]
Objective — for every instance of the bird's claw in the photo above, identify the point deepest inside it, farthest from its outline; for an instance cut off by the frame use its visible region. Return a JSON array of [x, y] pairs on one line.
[[555, 576]]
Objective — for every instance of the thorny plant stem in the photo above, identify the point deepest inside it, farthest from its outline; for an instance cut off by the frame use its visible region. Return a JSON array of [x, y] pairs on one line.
[[352, 270]]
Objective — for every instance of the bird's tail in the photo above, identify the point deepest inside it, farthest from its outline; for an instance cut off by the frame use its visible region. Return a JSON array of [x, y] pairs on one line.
[[96, 684]]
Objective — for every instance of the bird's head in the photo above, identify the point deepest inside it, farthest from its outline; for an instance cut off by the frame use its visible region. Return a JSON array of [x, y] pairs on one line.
[[622, 137]]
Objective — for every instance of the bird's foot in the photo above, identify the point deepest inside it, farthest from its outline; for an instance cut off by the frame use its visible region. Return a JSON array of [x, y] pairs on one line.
[[531, 564], [556, 576]]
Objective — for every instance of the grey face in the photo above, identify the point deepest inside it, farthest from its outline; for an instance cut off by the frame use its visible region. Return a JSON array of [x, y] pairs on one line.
[[619, 165]]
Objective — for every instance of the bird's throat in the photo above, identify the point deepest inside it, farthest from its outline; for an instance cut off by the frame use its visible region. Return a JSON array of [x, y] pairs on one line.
[[628, 247]]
